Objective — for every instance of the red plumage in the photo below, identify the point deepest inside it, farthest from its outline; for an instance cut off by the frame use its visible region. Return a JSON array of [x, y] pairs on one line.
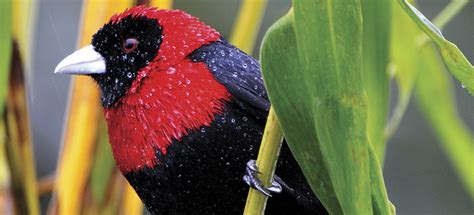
[[170, 89]]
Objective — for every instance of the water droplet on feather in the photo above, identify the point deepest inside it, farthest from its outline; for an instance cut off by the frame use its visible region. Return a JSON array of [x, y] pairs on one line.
[[171, 70]]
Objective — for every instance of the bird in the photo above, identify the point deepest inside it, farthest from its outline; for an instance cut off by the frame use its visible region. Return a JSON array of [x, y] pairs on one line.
[[185, 112]]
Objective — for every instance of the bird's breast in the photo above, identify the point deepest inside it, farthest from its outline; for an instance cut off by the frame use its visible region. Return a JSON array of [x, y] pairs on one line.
[[164, 106]]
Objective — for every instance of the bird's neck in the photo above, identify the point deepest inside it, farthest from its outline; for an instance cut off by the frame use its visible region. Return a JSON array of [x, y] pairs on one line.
[[162, 107]]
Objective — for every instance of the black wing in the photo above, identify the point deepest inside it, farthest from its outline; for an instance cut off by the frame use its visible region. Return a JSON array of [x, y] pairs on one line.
[[238, 72]]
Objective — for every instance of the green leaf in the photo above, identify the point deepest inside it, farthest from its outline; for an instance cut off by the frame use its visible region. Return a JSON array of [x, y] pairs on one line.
[[417, 64], [280, 67], [5, 48], [312, 66], [456, 62], [329, 41], [376, 34], [380, 203], [457, 141], [5, 57]]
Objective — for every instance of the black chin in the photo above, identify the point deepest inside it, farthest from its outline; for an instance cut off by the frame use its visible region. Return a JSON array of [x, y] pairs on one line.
[[113, 85]]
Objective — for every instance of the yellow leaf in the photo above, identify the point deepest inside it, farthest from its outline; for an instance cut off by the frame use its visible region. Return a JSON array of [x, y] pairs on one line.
[[82, 125]]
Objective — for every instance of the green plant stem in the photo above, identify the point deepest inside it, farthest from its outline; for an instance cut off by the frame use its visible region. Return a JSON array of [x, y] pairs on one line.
[[446, 15], [266, 162], [246, 28], [449, 12], [398, 113]]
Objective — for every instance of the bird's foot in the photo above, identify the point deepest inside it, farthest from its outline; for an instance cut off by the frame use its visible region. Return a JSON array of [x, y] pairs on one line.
[[251, 178]]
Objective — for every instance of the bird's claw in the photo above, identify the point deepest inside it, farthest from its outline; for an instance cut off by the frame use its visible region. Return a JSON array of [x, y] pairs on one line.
[[251, 178]]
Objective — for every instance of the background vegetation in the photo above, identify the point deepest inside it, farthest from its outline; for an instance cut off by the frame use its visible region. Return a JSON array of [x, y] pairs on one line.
[[86, 179]]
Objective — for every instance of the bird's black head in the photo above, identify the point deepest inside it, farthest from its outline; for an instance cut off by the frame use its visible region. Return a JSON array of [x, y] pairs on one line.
[[129, 44], [126, 45]]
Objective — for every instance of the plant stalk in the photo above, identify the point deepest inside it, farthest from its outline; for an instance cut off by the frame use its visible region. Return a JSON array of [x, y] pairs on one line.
[[246, 28], [449, 12], [266, 162]]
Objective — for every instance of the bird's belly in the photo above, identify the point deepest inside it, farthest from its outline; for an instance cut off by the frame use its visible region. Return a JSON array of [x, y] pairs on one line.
[[202, 172]]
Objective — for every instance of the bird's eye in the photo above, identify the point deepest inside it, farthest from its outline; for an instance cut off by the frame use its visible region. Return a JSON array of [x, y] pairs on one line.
[[129, 45]]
